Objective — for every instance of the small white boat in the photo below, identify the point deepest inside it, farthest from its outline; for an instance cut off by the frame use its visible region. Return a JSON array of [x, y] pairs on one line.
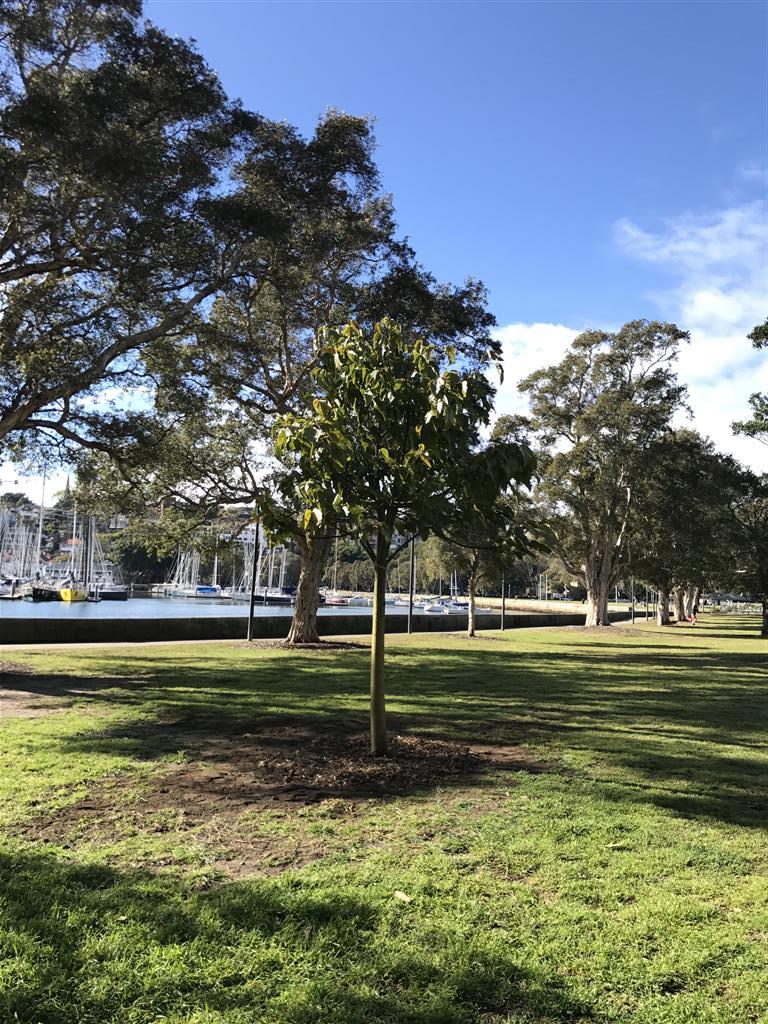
[[358, 601], [444, 607], [203, 590]]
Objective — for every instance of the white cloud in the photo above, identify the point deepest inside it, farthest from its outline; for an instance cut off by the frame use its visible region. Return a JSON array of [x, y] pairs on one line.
[[525, 348], [720, 262]]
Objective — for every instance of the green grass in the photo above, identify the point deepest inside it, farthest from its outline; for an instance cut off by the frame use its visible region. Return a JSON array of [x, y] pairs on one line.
[[627, 884]]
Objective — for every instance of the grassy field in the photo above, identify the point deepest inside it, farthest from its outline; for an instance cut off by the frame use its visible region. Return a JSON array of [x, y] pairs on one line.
[[618, 876]]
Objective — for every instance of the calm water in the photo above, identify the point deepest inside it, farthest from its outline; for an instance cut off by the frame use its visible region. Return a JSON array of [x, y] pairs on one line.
[[162, 608]]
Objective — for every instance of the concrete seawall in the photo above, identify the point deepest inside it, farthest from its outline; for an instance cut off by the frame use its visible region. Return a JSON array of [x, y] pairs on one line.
[[59, 631]]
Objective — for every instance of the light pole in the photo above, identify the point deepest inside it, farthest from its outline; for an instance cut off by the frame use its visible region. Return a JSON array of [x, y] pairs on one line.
[[411, 584]]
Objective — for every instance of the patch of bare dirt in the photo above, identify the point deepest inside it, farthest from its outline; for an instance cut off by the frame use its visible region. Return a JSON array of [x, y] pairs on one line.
[[24, 694], [612, 630], [323, 645], [279, 769], [19, 704], [13, 668]]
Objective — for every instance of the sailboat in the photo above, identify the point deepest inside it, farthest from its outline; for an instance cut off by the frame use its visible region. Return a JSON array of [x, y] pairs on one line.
[[71, 590]]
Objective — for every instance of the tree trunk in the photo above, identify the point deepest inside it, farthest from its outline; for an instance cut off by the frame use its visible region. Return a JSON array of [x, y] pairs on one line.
[[690, 601], [662, 607], [472, 587], [378, 709], [313, 551], [598, 582], [764, 630], [678, 600]]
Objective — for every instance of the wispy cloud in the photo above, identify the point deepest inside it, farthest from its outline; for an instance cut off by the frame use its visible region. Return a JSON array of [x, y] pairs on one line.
[[718, 267], [721, 262]]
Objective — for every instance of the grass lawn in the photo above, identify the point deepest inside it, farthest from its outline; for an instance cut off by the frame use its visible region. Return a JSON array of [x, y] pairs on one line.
[[620, 876]]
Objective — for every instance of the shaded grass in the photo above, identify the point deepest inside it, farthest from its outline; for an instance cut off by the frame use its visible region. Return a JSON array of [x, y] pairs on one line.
[[629, 885]]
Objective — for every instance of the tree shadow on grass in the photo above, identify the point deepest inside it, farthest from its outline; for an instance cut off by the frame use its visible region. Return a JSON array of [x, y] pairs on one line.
[[672, 721], [94, 944]]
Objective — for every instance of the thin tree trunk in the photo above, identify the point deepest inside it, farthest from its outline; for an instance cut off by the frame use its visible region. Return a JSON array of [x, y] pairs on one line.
[[678, 599], [662, 607], [472, 587], [378, 706], [313, 551], [764, 631], [690, 601]]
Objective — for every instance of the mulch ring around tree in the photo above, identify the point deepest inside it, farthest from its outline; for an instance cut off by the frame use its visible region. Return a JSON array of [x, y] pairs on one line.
[[278, 768]]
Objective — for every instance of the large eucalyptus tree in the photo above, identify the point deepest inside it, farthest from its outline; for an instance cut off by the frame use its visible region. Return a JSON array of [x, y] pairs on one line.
[[113, 230], [595, 417]]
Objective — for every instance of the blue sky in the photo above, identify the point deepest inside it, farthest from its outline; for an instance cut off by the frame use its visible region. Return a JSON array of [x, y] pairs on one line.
[[513, 136], [590, 162]]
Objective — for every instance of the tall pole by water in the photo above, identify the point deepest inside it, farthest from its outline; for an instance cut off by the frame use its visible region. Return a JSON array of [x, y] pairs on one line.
[[632, 584], [503, 599], [40, 526], [252, 593], [411, 584]]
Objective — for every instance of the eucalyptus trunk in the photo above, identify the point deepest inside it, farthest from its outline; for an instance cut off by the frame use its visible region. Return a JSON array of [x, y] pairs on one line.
[[690, 601], [764, 630], [313, 551], [378, 706], [678, 601], [598, 583], [662, 607]]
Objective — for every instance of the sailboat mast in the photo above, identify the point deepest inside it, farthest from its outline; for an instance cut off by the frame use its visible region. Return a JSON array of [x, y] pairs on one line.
[[40, 527]]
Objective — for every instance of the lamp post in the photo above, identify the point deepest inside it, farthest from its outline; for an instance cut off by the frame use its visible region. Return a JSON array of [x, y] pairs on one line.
[[411, 584]]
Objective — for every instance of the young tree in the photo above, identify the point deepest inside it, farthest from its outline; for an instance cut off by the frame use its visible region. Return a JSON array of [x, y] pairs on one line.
[[386, 441], [596, 415], [484, 543]]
